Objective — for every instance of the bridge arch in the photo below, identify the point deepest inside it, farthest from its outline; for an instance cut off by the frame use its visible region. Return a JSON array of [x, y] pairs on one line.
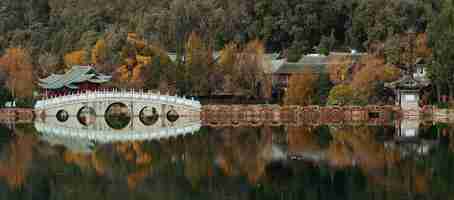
[[149, 115], [118, 115], [172, 115], [62, 115], [86, 115]]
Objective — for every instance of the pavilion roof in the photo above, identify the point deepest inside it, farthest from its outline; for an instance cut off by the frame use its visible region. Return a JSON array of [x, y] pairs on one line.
[[408, 82], [77, 74]]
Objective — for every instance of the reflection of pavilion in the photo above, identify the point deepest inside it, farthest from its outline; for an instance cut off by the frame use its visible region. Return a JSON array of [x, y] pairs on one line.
[[408, 139], [82, 139], [407, 129]]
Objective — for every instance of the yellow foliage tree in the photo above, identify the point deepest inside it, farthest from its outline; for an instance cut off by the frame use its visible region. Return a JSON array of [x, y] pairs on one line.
[[338, 68], [227, 58], [16, 62], [342, 94], [99, 52], [194, 49], [302, 88]]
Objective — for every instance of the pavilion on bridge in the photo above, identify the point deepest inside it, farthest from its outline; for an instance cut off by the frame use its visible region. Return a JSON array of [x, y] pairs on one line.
[[77, 79]]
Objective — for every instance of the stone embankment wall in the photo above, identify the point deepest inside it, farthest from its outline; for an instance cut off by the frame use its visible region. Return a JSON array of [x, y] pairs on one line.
[[238, 115], [16, 115], [440, 115]]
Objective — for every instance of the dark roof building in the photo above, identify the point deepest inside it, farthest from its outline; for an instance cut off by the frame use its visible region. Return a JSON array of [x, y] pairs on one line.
[[316, 62]]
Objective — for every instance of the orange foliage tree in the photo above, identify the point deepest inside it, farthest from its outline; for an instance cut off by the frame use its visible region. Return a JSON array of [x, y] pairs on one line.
[[373, 72], [252, 69], [302, 88], [302, 139], [78, 57], [17, 63]]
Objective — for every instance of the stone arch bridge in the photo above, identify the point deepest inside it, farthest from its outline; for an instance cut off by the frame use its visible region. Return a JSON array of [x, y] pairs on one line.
[[67, 107]]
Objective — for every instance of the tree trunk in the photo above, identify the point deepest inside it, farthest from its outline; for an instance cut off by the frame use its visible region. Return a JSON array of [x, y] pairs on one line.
[[438, 89], [450, 91]]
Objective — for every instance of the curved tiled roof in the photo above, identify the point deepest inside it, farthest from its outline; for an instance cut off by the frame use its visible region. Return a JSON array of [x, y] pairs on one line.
[[77, 74]]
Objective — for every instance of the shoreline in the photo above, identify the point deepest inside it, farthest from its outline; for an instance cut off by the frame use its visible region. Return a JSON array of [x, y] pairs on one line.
[[276, 114]]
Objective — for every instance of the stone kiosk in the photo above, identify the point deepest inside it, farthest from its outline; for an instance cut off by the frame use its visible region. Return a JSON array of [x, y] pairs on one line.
[[407, 90]]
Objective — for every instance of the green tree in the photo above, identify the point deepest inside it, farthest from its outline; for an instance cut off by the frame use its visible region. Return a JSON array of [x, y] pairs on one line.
[[441, 40]]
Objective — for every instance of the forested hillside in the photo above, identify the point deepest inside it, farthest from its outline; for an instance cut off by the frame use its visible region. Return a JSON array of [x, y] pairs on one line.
[[60, 26], [117, 35]]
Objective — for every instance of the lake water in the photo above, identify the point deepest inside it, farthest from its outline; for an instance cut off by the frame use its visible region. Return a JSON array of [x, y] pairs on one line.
[[407, 160]]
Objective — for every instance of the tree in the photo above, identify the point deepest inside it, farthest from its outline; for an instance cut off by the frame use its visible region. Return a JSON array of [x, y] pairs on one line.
[[48, 63], [17, 64], [302, 88], [341, 95], [251, 68], [371, 76], [198, 65], [99, 53], [327, 44], [79, 57], [338, 68], [297, 50], [441, 41]]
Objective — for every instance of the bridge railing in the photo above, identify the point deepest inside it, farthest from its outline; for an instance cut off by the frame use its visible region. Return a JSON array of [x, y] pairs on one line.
[[102, 94]]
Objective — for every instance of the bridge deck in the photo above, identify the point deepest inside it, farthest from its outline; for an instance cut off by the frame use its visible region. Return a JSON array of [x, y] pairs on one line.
[[119, 95]]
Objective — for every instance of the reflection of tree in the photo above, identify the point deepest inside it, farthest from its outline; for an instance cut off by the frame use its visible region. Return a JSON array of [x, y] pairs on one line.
[[16, 160], [302, 139], [358, 145], [243, 152], [232, 163]]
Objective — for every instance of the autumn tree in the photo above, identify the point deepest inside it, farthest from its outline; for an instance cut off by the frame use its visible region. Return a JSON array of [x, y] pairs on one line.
[[302, 88], [79, 57], [198, 65], [226, 66], [48, 63], [341, 95], [15, 167], [403, 49], [17, 64], [338, 68], [252, 69], [98, 53], [371, 77]]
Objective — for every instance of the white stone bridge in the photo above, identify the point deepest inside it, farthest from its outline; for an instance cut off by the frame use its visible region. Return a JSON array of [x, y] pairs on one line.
[[136, 103]]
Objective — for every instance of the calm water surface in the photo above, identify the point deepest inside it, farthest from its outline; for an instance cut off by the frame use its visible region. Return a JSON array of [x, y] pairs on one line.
[[403, 161]]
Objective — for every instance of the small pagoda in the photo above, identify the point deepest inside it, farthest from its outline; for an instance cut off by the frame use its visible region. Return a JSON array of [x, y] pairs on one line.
[[77, 79], [408, 89]]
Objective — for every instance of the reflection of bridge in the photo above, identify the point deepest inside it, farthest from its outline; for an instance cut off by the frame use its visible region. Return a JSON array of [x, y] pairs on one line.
[[100, 101], [81, 139]]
